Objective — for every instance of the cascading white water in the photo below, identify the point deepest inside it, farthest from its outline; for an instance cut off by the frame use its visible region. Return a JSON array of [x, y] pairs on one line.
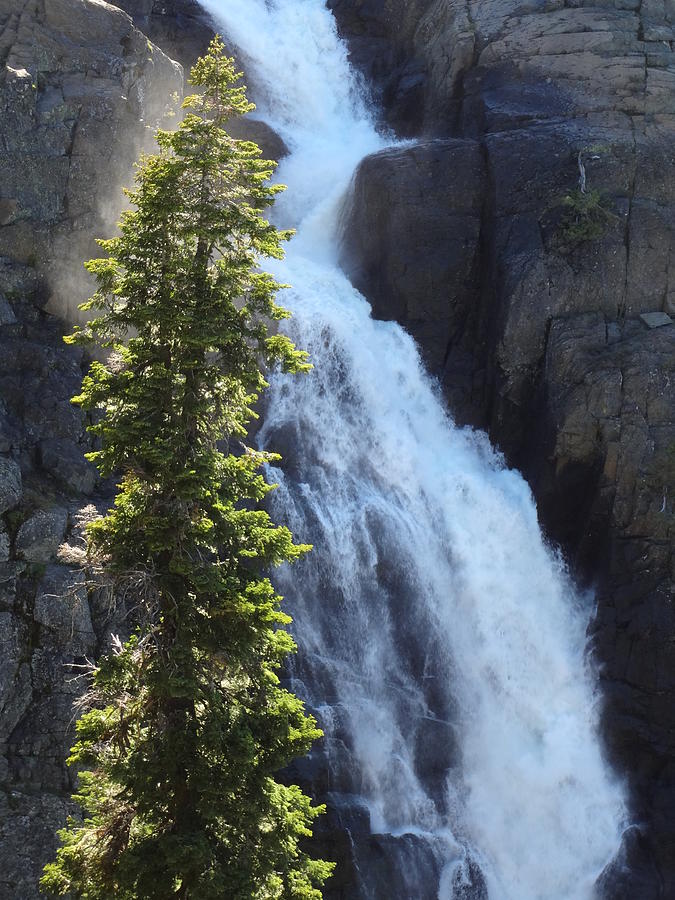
[[440, 638]]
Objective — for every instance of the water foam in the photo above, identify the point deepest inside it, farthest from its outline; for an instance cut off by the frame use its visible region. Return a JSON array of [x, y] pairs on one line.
[[432, 618]]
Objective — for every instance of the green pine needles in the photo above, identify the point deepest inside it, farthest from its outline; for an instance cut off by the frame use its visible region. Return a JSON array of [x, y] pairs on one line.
[[186, 724]]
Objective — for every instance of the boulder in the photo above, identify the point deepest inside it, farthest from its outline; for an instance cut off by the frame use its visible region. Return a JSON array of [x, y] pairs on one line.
[[262, 134], [40, 536]]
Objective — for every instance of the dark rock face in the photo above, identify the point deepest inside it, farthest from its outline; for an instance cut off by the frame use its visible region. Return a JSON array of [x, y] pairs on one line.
[[381, 37], [550, 354], [411, 244], [182, 28], [607, 488], [46, 622]]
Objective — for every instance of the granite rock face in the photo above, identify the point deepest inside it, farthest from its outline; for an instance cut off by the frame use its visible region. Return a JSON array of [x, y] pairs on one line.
[[183, 29], [603, 466], [81, 90], [381, 36], [10, 484], [544, 83], [549, 352]]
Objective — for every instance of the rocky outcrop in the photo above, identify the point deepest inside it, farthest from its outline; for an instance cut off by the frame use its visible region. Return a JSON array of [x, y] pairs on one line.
[[81, 91], [381, 36], [543, 344], [507, 95], [417, 258]]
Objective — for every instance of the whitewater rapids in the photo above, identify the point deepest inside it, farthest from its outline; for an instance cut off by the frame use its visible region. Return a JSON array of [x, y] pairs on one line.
[[432, 618]]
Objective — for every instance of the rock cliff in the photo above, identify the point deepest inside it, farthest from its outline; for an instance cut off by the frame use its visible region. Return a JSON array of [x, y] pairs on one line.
[[82, 90], [526, 292]]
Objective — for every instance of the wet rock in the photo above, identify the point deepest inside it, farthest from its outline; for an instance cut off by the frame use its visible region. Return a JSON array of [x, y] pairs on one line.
[[468, 882], [398, 867], [40, 536], [380, 37], [346, 821], [411, 241], [436, 753], [632, 873], [11, 489], [248, 129]]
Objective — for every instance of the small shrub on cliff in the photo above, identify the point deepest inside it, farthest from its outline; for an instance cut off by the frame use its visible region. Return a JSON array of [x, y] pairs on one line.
[[186, 724], [586, 216]]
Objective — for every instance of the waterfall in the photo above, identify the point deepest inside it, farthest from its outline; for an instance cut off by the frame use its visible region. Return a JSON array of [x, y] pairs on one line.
[[442, 642]]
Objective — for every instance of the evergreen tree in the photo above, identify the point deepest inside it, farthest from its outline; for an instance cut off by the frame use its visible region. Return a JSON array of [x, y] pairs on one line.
[[186, 723]]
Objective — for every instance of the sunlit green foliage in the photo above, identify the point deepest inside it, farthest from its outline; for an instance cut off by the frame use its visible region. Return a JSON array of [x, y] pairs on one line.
[[187, 724]]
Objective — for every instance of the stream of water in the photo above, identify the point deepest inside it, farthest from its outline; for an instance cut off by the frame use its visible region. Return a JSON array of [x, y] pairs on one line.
[[441, 640]]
